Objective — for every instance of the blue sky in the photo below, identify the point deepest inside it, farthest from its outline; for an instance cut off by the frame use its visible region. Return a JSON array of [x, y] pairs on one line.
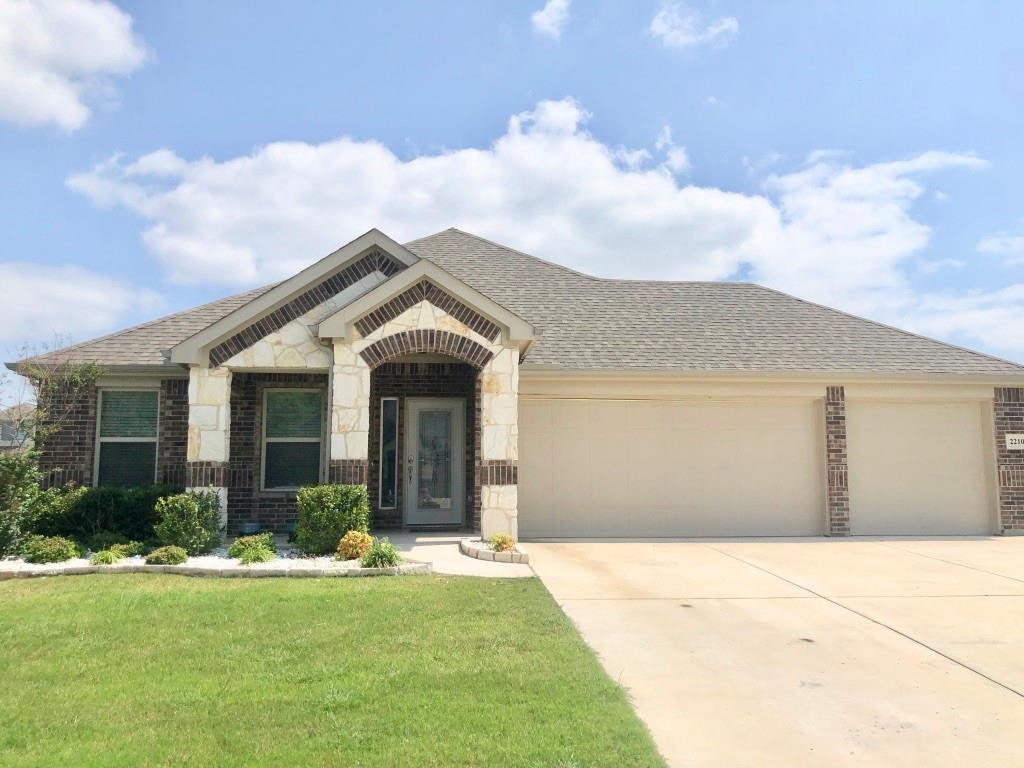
[[863, 155]]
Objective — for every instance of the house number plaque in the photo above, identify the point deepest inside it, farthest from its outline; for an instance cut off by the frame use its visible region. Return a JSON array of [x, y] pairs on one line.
[[1015, 442]]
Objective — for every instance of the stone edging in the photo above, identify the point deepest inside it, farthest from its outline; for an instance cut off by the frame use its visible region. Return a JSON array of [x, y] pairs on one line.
[[229, 571], [476, 548]]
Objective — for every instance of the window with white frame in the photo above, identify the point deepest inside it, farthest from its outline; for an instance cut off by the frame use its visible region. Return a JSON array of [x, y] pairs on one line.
[[127, 435], [292, 438]]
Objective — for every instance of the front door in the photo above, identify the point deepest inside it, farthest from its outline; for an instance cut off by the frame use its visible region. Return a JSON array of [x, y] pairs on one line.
[[434, 464]]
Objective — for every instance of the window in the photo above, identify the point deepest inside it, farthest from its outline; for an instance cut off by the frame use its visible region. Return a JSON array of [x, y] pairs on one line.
[[127, 437], [292, 438], [388, 452]]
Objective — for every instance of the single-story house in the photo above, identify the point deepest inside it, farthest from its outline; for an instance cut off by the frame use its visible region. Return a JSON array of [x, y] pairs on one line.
[[472, 386]]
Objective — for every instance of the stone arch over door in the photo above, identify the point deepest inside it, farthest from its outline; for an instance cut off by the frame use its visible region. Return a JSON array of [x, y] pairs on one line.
[[426, 341]]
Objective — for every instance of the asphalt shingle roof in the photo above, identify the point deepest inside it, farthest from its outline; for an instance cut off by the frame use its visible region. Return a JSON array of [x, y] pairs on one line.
[[590, 323]]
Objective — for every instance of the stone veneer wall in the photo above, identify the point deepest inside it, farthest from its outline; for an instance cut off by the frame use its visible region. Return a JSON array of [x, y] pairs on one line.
[[274, 510], [423, 379], [837, 486], [1008, 416], [68, 452]]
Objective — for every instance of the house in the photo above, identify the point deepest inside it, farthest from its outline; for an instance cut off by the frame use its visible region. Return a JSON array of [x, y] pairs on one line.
[[469, 385], [14, 427]]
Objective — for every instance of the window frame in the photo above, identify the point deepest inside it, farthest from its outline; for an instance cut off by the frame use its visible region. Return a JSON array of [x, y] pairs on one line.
[[264, 439], [380, 455], [99, 439]]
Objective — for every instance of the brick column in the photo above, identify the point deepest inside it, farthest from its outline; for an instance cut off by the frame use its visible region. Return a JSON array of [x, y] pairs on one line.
[[1008, 415], [838, 501]]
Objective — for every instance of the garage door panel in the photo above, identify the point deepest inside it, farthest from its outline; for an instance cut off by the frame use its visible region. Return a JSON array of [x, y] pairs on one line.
[[917, 468], [630, 468]]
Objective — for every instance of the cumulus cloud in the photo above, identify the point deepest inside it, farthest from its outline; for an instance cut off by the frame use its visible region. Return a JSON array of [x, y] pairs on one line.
[[1007, 244], [828, 229], [54, 54], [552, 18], [42, 303], [679, 26]]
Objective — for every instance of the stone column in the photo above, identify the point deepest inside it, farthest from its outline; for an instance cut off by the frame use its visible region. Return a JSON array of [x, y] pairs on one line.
[[499, 444], [209, 432], [350, 416], [1008, 417], [838, 490]]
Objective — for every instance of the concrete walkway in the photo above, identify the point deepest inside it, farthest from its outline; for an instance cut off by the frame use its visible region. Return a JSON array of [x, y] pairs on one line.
[[442, 550], [811, 652]]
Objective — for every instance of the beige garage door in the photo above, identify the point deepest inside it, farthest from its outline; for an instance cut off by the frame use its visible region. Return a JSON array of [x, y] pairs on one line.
[[917, 468], [635, 468]]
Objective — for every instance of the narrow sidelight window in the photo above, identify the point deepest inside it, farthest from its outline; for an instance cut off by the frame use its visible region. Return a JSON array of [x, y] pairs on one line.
[[292, 438], [388, 452], [127, 437]]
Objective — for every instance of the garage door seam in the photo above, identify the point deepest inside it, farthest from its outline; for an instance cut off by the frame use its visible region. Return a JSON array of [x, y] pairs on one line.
[[854, 611]]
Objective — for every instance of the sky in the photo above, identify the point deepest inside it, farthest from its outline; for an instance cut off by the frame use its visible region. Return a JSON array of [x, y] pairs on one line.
[[866, 155]]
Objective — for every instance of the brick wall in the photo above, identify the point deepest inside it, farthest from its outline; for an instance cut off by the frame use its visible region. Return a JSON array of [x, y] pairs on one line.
[[422, 379], [67, 452], [274, 510], [838, 491], [1008, 413], [172, 437]]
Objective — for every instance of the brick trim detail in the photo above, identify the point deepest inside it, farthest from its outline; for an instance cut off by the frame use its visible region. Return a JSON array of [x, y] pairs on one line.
[[202, 474], [427, 291], [1008, 417], [499, 472], [426, 340], [348, 471], [374, 261], [838, 490]]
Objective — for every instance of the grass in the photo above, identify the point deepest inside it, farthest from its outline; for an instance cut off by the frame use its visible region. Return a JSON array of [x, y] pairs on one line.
[[414, 671]]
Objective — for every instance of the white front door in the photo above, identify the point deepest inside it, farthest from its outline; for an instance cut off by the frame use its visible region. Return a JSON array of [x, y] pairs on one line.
[[434, 461]]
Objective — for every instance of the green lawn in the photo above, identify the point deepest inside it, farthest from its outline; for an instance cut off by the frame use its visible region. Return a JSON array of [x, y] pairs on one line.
[[411, 671]]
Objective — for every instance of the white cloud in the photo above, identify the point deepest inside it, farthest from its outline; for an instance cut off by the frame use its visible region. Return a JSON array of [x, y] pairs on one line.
[[54, 54], [42, 303], [676, 159], [829, 230], [552, 18], [1007, 244], [678, 26]]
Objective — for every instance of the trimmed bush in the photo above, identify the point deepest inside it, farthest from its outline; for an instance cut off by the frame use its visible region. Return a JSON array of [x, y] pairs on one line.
[[256, 554], [167, 556], [82, 513], [190, 521], [353, 545], [49, 549], [328, 512], [381, 554], [502, 542], [129, 548], [106, 557]]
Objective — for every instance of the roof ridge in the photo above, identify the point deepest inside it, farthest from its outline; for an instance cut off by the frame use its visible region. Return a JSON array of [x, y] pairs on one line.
[[888, 327], [145, 324]]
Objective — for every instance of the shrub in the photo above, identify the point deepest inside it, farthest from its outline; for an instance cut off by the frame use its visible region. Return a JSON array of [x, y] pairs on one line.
[[381, 554], [256, 554], [243, 544], [85, 512], [19, 496], [354, 544], [190, 521], [105, 540], [128, 548], [106, 557], [502, 542], [49, 549], [328, 512], [167, 556]]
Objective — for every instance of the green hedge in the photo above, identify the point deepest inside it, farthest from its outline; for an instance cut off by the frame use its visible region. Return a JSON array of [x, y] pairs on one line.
[[190, 521], [328, 512], [129, 512]]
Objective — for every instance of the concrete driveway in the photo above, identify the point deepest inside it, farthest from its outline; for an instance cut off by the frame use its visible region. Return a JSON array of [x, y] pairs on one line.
[[808, 652]]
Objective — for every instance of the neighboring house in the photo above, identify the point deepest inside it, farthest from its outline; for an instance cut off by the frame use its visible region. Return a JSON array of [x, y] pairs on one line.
[[14, 423], [470, 385]]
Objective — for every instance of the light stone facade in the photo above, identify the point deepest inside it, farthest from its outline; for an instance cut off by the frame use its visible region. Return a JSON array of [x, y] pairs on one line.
[[350, 404], [209, 414]]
